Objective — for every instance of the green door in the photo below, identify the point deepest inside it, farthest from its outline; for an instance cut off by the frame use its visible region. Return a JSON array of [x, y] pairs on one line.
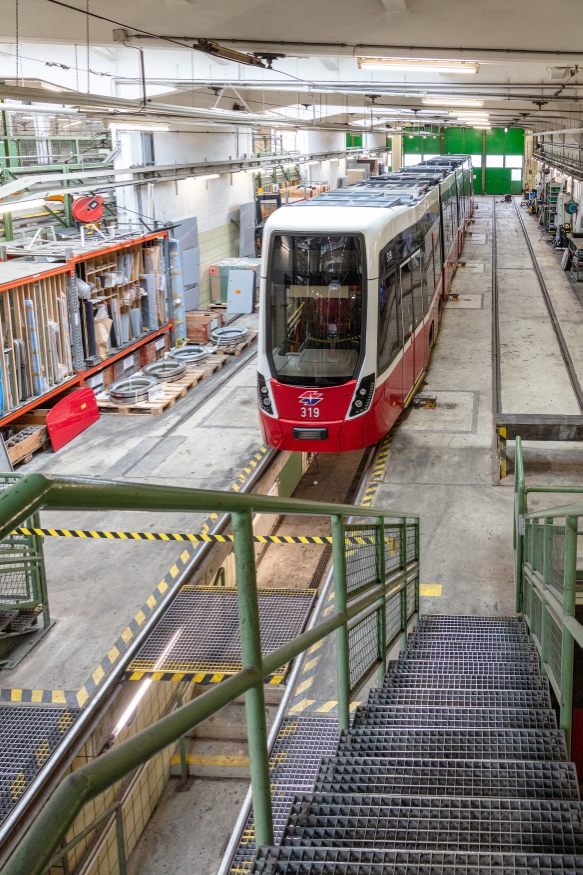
[[498, 180]]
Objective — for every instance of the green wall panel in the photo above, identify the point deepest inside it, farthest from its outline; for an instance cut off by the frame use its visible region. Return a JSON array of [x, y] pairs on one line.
[[463, 142], [477, 180], [500, 143], [353, 141]]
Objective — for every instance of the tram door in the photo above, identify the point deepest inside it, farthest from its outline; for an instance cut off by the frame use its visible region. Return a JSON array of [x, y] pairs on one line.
[[412, 310]]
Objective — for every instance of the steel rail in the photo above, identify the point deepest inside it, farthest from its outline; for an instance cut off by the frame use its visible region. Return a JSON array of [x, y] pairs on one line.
[[53, 769], [568, 361]]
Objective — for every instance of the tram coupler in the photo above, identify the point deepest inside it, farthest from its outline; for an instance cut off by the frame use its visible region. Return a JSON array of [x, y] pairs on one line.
[[424, 400]]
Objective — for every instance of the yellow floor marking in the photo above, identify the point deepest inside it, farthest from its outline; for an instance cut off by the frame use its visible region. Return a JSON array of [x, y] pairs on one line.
[[304, 686], [331, 596], [209, 760], [311, 664], [301, 706], [328, 610], [354, 706], [316, 646], [430, 589], [327, 706]]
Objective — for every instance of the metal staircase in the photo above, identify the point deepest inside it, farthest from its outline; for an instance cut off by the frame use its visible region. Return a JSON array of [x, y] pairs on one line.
[[454, 766]]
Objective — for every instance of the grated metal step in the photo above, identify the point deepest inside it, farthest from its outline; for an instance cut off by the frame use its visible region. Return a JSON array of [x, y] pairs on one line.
[[456, 718], [353, 861], [442, 824], [434, 777], [433, 620], [427, 679], [488, 645], [518, 634], [443, 654], [448, 744], [463, 666], [460, 698]]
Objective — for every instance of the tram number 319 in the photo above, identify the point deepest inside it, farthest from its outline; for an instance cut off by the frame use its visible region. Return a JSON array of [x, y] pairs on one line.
[[310, 412]]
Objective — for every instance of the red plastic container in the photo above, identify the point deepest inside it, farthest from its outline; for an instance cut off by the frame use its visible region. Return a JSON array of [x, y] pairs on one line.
[[70, 416]]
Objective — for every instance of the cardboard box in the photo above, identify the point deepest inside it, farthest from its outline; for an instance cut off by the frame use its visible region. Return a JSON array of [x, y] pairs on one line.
[[200, 323]]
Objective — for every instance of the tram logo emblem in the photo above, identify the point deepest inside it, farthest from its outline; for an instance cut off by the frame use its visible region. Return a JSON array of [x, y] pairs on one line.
[[310, 398]]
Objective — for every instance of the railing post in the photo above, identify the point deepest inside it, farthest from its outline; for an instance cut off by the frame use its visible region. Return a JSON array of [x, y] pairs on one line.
[[544, 615], [251, 658], [567, 655], [382, 612], [184, 784], [340, 600], [121, 842], [403, 603]]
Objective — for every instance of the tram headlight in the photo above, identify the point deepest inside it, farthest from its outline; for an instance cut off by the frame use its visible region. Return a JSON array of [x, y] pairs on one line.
[[363, 396], [263, 395]]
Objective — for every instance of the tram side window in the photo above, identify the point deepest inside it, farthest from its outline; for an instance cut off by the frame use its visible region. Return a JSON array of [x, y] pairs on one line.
[[415, 267], [390, 338]]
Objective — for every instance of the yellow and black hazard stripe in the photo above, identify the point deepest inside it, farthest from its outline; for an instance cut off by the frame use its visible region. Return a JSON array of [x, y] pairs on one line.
[[185, 536], [196, 677], [377, 471]]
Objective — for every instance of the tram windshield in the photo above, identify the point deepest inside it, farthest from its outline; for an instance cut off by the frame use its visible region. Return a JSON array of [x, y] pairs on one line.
[[316, 308]]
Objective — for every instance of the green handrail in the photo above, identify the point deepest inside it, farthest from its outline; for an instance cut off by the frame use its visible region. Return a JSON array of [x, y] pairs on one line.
[[35, 492], [546, 585]]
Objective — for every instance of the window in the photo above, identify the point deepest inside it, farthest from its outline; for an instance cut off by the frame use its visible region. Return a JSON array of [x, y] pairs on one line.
[[514, 161], [390, 331], [476, 161], [516, 174], [494, 160], [410, 159], [316, 308], [417, 282], [428, 157]]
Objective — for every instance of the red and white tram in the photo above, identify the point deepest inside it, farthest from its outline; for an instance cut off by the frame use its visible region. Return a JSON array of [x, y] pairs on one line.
[[351, 289]]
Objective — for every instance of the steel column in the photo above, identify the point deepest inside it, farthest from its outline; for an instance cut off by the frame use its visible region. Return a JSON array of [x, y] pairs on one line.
[[342, 657], [251, 657], [403, 544], [544, 622]]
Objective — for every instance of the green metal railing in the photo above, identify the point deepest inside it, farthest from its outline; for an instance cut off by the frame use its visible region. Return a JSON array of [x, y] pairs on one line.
[[545, 543], [376, 596]]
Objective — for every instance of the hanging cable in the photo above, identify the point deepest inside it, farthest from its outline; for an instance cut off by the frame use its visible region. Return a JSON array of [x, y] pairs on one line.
[[76, 69], [87, 38], [17, 42]]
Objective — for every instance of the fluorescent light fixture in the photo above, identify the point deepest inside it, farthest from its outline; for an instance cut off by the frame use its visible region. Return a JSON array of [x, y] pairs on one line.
[[123, 126], [144, 687], [208, 176], [254, 170], [469, 113], [313, 162], [420, 64], [482, 127], [20, 206], [50, 87], [450, 101], [287, 166]]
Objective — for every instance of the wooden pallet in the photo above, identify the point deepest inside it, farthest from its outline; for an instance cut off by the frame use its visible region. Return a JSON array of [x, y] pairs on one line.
[[238, 348], [168, 397], [207, 367]]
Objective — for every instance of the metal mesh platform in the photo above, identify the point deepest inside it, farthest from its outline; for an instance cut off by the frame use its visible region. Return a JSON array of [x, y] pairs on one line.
[[447, 744], [301, 744], [456, 718], [28, 736], [441, 824], [428, 679], [434, 777], [340, 861], [200, 630], [460, 698]]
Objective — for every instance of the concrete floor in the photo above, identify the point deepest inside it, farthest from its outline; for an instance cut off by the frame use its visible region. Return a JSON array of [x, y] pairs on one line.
[[188, 832]]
